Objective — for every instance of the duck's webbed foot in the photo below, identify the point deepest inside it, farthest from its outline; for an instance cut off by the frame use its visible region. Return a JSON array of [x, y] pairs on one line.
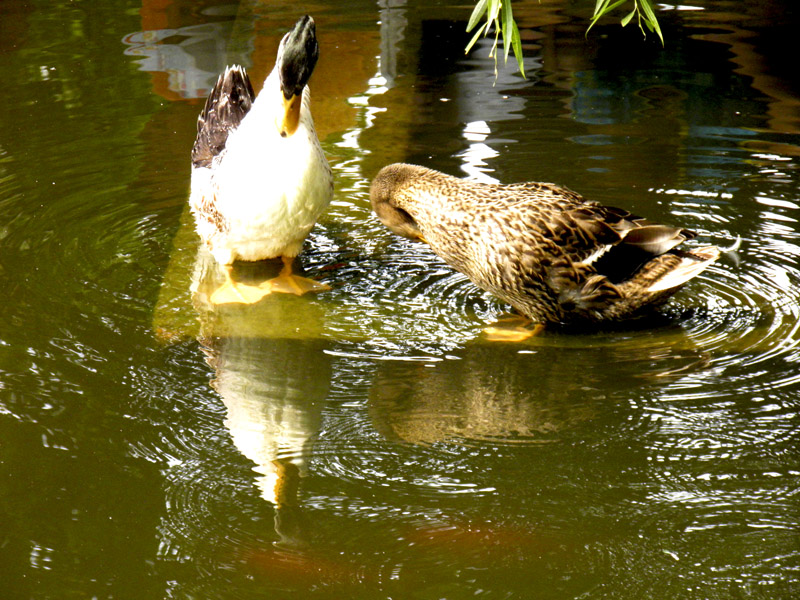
[[288, 283], [235, 292], [514, 328]]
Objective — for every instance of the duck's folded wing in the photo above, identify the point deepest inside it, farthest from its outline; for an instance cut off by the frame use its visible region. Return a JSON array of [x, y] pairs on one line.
[[615, 242], [226, 106]]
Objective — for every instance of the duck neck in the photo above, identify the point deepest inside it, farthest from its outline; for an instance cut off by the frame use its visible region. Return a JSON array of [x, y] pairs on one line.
[[441, 218]]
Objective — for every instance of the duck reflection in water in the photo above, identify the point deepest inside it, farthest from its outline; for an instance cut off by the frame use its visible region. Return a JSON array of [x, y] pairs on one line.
[[273, 377], [495, 393]]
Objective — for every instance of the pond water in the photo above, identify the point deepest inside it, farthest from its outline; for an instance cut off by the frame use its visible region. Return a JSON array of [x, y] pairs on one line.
[[369, 442]]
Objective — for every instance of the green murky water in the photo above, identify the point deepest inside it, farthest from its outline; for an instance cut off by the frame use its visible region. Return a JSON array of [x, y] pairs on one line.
[[369, 442]]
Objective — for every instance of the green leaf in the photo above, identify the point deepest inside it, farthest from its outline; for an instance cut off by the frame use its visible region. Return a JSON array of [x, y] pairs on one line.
[[602, 11], [628, 18], [647, 9], [615, 5], [643, 9], [499, 14], [516, 42], [475, 37], [600, 8], [477, 13], [508, 20], [650, 18], [494, 11]]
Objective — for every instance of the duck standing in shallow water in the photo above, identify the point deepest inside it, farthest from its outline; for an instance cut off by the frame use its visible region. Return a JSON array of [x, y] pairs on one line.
[[259, 177], [547, 251]]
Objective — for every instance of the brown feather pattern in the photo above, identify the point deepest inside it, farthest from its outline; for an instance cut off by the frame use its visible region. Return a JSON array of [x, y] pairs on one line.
[[544, 249]]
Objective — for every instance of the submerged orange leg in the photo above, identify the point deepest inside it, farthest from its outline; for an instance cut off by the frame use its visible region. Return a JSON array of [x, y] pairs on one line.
[[515, 328], [232, 292]]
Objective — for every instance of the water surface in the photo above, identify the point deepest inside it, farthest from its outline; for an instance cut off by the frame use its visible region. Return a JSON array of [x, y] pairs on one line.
[[369, 442]]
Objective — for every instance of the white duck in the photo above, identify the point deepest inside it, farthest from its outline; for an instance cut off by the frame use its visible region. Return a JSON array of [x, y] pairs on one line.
[[259, 177]]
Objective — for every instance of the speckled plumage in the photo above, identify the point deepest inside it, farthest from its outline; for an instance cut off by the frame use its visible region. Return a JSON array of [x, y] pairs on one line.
[[544, 249]]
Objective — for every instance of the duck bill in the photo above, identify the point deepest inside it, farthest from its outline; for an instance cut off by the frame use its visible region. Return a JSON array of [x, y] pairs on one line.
[[297, 57], [291, 115]]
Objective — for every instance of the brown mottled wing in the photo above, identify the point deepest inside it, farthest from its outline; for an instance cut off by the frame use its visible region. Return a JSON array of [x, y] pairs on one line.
[[226, 106], [589, 249], [614, 241], [585, 230], [578, 227]]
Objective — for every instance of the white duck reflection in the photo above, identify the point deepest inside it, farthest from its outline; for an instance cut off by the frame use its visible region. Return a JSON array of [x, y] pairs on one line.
[[273, 377]]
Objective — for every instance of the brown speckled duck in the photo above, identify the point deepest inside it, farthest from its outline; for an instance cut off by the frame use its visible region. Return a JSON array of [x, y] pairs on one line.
[[550, 253]]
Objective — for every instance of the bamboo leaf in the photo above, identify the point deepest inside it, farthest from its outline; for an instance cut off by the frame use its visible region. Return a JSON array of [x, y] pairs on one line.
[[499, 14], [475, 37], [615, 5], [600, 8], [516, 42], [494, 11], [477, 13], [647, 10], [508, 19], [627, 18], [650, 18], [602, 11], [642, 9]]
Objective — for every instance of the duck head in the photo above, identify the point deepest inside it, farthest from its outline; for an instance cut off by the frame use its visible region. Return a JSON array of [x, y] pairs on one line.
[[297, 57], [390, 202]]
